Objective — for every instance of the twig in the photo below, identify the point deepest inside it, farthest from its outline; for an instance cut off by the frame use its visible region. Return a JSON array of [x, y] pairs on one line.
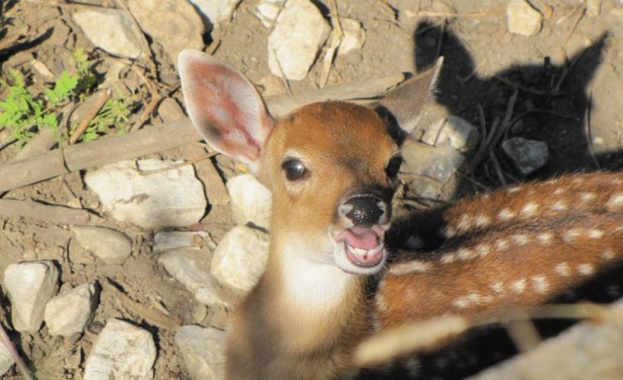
[[336, 40], [155, 99], [94, 106], [53, 214], [190, 161], [4, 337], [497, 167], [460, 15]]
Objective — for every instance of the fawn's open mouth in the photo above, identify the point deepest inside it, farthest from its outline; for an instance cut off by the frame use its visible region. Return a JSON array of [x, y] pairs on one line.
[[362, 247]]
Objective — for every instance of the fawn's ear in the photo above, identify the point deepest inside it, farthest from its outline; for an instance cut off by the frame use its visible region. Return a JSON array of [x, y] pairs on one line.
[[224, 107], [407, 101]]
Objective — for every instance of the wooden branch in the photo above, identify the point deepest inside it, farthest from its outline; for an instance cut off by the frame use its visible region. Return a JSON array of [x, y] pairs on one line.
[[161, 137], [54, 214]]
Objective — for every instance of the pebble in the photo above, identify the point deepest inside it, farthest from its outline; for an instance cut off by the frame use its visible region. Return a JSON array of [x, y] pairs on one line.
[[189, 273], [215, 12], [121, 351], [251, 202], [163, 199], [112, 30], [523, 18], [354, 36], [108, 245], [69, 312], [30, 285], [528, 155], [160, 19], [171, 240], [203, 351], [459, 133], [240, 258], [296, 40], [268, 11]]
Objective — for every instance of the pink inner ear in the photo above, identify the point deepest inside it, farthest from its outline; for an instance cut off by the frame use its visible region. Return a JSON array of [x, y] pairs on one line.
[[224, 106]]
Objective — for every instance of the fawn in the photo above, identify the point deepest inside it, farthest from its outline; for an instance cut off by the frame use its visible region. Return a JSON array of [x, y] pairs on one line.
[[332, 168]]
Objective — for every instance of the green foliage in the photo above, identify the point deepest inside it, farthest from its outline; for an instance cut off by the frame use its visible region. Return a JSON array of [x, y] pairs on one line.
[[24, 113]]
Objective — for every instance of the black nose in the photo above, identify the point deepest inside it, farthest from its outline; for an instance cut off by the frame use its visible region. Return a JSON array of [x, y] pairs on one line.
[[364, 210]]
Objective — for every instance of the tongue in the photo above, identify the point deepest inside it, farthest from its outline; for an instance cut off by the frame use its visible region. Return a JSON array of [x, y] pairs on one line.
[[362, 238]]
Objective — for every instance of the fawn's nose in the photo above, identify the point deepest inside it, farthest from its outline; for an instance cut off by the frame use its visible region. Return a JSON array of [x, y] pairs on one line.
[[364, 210]]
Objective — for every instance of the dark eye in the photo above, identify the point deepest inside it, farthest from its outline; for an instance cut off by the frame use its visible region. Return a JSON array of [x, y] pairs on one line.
[[294, 169], [393, 166]]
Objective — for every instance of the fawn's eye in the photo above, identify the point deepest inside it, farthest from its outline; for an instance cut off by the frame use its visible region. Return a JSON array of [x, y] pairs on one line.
[[294, 169], [393, 166]]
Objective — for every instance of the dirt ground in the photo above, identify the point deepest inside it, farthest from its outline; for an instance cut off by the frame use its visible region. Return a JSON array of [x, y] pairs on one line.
[[568, 81]]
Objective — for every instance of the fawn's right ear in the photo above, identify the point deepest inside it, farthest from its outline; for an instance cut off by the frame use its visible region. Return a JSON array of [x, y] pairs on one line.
[[224, 107]]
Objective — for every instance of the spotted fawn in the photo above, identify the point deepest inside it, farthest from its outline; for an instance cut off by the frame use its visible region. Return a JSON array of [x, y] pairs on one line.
[[332, 168]]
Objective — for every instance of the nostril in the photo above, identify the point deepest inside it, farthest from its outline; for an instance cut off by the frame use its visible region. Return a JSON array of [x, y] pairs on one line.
[[363, 210]]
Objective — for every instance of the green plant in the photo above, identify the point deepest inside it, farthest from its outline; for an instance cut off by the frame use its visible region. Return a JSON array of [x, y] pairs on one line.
[[114, 113]]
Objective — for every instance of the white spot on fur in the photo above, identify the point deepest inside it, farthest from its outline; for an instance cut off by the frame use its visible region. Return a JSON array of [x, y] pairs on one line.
[[520, 239], [506, 214], [587, 197], [563, 269], [501, 244], [461, 303], [482, 220], [513, 189], [465, 222], [448, 258], [465, 254], [559, 191], [519, 286], [498, 287], [483, 250], [608, 255], [529, 209], [570, 235], [540, 284], [380, 303], [616, 200], [545, 237], [473, 297], [449, 232], [413, 266], [558, 206], [586, 269], [595, 233]]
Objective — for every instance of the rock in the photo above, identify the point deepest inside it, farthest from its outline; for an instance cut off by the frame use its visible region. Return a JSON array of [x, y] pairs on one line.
[[121, 351], [437, 163], [522, 18], [170, 110], [268, 11], [6, 359], [250, 200], [158, 200], [215, 12], [110, 246], [203, 350], [160, 19], [112, 30], [240, 258], [30, 286], [354, 36], [68, 313], [528, 155], [459, 133], [593, 7], [294, 43], [195, 280], [172, 240]]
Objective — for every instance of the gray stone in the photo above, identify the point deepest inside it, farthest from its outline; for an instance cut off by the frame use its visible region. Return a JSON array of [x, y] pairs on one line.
[[250, 200], [354, 36], [215, 12], [112, 30], [268, 11], [30, 286], [298, 36], [203, 350], [121, 351], [528, 155], [437, 163], [110, 246], [171, 240], [453, 130], [522, 18], [161, 20], [240, 258], [166, 197], [68, 313]]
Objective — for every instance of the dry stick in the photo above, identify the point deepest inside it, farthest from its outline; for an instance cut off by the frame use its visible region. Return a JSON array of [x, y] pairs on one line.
[[155, 99], [336, 40], [4, 337], [95, 106], [162, 137], [589, 138], [189, 161], [461, 15], [53, 214]]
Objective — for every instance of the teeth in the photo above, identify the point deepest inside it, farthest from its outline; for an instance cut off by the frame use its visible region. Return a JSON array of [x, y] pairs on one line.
[[364, 252]]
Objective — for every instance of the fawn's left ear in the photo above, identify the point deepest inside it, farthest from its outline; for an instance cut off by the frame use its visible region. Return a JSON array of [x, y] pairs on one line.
[[406, 102], [224, 107]]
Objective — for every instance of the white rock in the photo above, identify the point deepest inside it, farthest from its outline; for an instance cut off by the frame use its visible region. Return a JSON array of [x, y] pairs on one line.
[[68, 313], [522, 18], [203, 350], [250, 200], [169, 198], [240, 258], [294, 43], [161, 20], [195, 280], [6, 359], [216, 12], [528, 155], [112, 31], [30, 286], [459, 133], [354, 36], [121, 351], [268, 11], [110, 246], [171, 240]]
